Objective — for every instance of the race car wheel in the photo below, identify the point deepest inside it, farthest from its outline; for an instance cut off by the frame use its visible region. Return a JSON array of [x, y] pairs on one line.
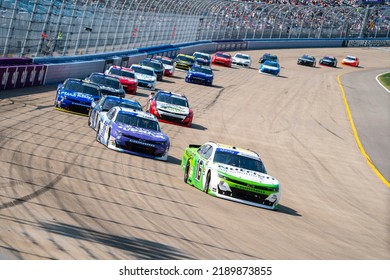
[[207, 184], [186, 171], [97, 132]]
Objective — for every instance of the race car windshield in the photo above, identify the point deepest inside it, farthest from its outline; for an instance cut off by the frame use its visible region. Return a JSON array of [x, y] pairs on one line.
[[152, 64], [171, 99], [185, 58], [82, 88], [239, 161], [350, 58], [271, 57], [134, 120], [122, 73], [223, 55], [105, 81], [270, 63], [109, 103], [202, 70], [200, 55], [166, 61], [143, 71], [243, 56]]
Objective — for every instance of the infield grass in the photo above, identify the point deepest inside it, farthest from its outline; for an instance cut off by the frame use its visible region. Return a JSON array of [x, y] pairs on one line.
[[384, 79]]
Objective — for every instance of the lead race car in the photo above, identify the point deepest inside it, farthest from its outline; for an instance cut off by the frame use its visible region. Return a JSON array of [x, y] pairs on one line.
[[132, 131], [230, 173]]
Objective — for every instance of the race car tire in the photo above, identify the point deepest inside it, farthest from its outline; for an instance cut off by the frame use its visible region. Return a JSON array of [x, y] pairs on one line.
[[186, 171], [107, 137], [97, 132], [207, 184]]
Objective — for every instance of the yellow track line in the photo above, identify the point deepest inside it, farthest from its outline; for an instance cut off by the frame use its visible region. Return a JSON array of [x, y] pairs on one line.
[[355, 134]]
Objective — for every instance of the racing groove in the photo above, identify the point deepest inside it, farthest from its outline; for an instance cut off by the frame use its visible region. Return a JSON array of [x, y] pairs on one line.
[[65, 196]]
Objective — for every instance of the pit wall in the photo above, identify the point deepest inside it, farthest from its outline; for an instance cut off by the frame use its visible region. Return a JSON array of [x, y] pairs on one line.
[[52, 70]]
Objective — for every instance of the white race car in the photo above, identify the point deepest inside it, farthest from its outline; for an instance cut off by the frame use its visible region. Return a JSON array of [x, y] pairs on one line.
[[242, 59], [145, 75]]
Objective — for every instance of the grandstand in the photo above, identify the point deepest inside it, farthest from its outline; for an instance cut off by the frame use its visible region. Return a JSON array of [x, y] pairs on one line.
[[37, 28]]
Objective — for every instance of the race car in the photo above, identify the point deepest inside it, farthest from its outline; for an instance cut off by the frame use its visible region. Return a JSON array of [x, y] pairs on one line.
[[157, 66], [145, 76], [132, 131], [351, 61], [328, 61], [270, 67], [184, 61], [170, 107], [108, 84], [307, 60], [230, 173], [105, 103], [126, 77], [222, 58], [76, 96], [202, 58], [200, 74], [268, 56], [242, 59], [168, 63]]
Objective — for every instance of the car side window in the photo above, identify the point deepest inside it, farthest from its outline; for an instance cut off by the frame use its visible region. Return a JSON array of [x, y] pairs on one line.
[[205, 151], [111, 114]]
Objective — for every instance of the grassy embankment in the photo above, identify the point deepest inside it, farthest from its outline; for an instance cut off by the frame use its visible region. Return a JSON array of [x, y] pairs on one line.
[[384, 79]]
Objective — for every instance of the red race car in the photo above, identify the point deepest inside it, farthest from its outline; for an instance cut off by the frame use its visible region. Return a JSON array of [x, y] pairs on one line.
[[126, 77], [351, 61], [222, 58]]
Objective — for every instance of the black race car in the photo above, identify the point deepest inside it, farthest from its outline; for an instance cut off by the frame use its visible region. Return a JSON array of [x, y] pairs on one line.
[[307, 60], [157, 66], [267, 56], [328, 61]]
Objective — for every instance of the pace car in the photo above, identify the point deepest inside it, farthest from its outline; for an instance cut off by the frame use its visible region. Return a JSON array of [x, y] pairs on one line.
[[268, 56], [132, 131], [202, 58], [168, 63], [184, 61], [270, 67], [170, 107], [157, 66], [126, 77], [76, 96], [200, 74], [328, 61], [242, 59], [351, 61], [222, 58], [230, 173], [108, 84], [105, 103], [307, 60], [145, 76]]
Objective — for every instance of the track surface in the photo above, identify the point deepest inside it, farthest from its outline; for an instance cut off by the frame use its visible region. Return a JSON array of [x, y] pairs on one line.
[[65, 196]]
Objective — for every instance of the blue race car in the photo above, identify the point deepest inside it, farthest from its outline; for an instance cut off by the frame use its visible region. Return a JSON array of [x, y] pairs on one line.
[[132, 131], [270, 67], [105, 103], [76, 96], [200, 74]]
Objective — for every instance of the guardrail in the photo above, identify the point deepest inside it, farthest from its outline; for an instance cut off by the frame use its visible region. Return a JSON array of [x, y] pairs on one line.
[[51, 70]]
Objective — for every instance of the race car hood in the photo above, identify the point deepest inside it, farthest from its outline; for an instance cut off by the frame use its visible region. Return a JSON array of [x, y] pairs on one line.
[[144, 77], [142, 133], [168, 67], [245, 175], [242, 60], [349, 60], [200, 74], [77, 95], [269, 67], [127, 81], [175, 109], [201, 60]]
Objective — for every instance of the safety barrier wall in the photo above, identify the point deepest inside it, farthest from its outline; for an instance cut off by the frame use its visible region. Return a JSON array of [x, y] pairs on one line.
[[51, 70]]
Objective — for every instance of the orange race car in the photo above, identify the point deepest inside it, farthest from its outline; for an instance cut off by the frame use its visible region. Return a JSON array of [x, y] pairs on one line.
[[351, 61]]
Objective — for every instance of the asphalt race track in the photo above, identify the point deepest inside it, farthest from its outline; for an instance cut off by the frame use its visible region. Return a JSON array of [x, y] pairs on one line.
[[65, 196]]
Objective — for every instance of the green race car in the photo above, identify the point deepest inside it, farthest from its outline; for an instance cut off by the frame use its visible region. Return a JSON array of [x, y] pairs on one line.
[[231, 173]]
